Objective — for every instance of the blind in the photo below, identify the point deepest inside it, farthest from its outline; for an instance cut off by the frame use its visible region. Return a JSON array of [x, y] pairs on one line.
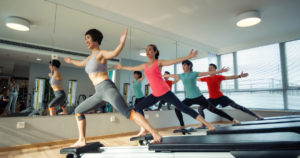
[[227, 61], [263, 65], [293, 59]]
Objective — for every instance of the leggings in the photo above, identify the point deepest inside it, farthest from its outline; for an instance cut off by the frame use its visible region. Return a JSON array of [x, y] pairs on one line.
[[12, 102], [168, 97], [106, 91], [203, 103], [137, 100], [58, 100], [225, 101]]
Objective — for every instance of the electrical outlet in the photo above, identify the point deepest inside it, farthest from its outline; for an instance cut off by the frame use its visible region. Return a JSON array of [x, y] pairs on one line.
[[157, 115], [21, 125], [146, 116], [113, 119]]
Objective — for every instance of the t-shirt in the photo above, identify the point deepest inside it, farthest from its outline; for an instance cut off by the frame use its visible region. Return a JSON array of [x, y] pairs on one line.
[[13, 90], [214, 84], [170, 83], [137, 87], [189, 81]]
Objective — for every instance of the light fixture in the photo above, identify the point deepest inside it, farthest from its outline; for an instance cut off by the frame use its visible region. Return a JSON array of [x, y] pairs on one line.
[[143, 52], [248, 18], [17, 23], [38, 59]]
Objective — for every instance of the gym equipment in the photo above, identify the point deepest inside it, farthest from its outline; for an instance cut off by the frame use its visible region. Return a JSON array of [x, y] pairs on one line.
[[263, 128], [29, 108], [38, 98], [74, 152], [279, 117], [147, 93], [131, 106], [184, 131], [142, 140], [71, 101], [126, 92], [268, 121], [260, 145]]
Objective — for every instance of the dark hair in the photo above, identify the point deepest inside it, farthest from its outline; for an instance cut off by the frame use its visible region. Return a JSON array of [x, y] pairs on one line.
[[214, 65], [55, 63], [187, 62], [96, 35], [167, 72], [13, 78], [1, 93], [155, 49], [139, 73]]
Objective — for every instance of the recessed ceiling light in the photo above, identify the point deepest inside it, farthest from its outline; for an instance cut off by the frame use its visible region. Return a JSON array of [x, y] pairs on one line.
[[17, 23], [143, 52], [248, 18], [38, 59]]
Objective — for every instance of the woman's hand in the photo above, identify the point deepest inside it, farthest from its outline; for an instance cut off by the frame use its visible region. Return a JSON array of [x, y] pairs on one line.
[[193, 54], [119, 66], [123, 37], [68, 60]]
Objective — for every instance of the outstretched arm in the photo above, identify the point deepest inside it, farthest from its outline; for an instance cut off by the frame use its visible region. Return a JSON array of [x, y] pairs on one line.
[[141, 79], [173, 82], [130, 68], [76, 62], [236, 76], [214, 72], [171, 62], [117, 51], [173, 76]]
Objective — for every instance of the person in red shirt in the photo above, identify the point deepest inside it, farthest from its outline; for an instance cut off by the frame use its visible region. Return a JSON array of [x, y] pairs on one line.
[[216, 96], [170, 83]]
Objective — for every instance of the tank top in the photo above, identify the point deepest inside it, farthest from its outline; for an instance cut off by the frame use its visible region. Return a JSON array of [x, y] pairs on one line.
[[53, 81], [157, 83], [93, 66]]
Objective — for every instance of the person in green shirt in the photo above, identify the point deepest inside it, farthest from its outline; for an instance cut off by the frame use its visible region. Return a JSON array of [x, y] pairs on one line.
[[137, 86], [193, 93]]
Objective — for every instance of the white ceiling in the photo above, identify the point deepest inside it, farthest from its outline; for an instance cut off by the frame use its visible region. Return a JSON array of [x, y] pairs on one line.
[[207, 24]]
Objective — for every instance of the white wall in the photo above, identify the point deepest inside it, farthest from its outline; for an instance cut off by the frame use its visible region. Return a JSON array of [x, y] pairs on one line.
[[84, 84], [21, 74]]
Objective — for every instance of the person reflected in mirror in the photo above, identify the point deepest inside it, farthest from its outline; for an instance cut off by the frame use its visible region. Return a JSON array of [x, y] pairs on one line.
[[13, 88], [56, 84]]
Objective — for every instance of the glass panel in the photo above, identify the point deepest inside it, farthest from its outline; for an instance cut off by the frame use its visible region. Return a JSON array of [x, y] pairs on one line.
[[227, 61], [258, 100], [293, 58], [293, 99], [263, 66]]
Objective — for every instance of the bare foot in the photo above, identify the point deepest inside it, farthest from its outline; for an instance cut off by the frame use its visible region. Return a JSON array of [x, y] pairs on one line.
[[203, 126], [78, 144], [142, 134], [236, 122], [156, 137], [63, 113], [259, 117], [181, 127], [211, 127]]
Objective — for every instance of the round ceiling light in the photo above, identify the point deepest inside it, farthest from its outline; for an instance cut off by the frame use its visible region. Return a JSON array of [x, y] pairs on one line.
[[248, 18], [143, 52], [17, 23]]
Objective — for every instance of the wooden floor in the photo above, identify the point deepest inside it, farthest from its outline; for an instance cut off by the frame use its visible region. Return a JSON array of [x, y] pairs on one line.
[[53, 151]]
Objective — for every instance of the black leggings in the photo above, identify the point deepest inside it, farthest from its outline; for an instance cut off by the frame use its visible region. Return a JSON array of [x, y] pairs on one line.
[[225, 101], [162, 103], [137, 100], [168, 97], [203, 103]]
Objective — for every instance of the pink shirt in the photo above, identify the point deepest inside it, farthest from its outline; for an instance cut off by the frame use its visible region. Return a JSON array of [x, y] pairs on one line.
[[158, 85]]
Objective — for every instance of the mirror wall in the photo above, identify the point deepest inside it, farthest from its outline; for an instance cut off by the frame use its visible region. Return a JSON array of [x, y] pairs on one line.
[[59, 31]]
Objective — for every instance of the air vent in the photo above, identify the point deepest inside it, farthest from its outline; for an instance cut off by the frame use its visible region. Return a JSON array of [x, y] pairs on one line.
[[45, 48]]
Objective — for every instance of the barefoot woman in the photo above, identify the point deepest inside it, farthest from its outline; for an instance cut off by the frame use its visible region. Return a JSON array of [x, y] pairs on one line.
[[106, 90], [160, 89]]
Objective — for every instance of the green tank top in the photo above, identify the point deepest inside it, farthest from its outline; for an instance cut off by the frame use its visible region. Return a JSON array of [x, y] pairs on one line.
[[137, 87], [189, 81]]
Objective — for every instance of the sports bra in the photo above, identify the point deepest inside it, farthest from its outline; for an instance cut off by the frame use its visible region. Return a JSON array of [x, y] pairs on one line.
[[53, 81], [93, 66]]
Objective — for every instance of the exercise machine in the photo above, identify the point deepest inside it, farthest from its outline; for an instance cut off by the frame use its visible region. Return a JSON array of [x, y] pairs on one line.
[[71, 99]]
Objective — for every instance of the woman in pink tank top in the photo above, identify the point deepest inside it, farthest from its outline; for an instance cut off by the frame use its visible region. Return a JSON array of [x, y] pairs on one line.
[[161, 90]]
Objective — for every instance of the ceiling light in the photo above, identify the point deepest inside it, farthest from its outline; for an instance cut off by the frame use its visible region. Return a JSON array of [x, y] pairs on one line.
[[38, 59], [143, 52], [248, 18], [17, 23]]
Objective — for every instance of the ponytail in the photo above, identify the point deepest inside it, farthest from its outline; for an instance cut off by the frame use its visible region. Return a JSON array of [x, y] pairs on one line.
[[155, 49], [187, 62]]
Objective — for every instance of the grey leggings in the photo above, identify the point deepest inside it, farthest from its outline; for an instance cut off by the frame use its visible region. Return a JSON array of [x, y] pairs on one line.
[[225, 101], [59, 99], [106, 91]]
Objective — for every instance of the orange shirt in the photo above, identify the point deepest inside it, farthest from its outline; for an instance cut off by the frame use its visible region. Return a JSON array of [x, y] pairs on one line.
[[214, 85]]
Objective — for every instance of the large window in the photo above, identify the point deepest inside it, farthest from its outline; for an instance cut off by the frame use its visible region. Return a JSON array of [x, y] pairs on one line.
[[227, 61], [263, 65]]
